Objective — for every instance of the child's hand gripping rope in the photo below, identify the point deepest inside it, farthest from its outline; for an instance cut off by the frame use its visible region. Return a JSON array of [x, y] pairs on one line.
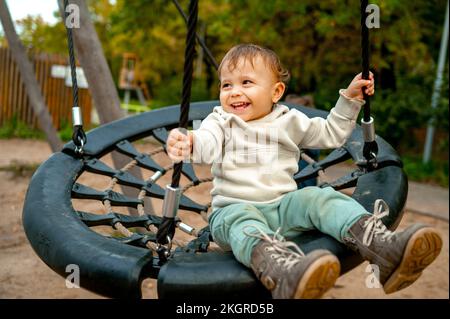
[[354, 90], [179, 145]]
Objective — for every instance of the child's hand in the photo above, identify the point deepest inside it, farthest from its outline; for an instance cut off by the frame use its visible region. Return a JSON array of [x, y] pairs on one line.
[[354, 90], [179, 145]]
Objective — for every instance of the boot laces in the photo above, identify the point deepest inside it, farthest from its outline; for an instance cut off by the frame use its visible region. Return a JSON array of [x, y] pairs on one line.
[[285, 253], [374, 226]]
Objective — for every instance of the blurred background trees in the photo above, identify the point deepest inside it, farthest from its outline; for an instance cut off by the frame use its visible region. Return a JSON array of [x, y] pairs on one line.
[[317, 40]]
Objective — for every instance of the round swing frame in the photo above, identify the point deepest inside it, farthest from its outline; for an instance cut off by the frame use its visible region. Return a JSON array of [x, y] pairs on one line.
[[61, 236]]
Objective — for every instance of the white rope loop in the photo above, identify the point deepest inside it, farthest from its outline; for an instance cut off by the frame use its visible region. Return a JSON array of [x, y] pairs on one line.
[[374, 226], [284, 252]]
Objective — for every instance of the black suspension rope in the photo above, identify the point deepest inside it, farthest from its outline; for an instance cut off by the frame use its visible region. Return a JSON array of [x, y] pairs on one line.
[[72, 60], [166, 230], [199, 39], [365, 57], [78, 136], [370, 148], [189, 56]]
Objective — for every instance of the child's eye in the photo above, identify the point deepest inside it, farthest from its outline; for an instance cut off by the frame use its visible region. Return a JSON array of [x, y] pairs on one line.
[[225, 85], [247, 82]]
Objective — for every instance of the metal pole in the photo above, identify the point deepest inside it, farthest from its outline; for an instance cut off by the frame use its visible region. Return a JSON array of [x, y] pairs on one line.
[[437, 89]]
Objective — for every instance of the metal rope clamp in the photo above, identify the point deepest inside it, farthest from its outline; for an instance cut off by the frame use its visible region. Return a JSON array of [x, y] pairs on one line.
[[368, 130], [171, 201], [170, 209], [78, 122], [162, 251], [79, 149]]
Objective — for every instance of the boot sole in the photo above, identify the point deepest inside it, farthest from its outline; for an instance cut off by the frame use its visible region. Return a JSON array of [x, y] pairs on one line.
[[318, 278], [422, 249]]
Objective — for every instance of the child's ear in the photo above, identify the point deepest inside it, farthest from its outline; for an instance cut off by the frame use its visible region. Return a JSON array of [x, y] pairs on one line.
[[278, 91]]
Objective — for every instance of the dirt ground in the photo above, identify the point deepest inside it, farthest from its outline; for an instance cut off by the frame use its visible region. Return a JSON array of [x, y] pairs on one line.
[[24, 275]]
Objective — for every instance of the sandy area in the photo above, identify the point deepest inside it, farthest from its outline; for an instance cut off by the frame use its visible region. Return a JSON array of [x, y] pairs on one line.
[[24, 275]]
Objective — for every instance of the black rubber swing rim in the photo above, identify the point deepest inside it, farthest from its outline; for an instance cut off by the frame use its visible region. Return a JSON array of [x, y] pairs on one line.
[[113, 269]]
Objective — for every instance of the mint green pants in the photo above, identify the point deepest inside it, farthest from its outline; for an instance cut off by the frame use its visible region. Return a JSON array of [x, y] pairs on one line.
[[324, 209]]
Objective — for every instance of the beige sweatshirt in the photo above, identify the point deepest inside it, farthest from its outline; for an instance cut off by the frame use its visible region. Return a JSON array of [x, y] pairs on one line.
[[255, 161]]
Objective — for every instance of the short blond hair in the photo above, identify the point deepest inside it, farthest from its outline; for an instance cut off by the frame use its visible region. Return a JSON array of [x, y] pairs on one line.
[[249, 52]]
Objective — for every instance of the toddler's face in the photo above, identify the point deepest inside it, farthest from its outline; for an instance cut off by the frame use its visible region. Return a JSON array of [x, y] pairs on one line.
[[249, 91]]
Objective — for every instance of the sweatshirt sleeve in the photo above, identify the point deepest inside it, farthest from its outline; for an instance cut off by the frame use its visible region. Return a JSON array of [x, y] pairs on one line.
[[331, 132], [208, 140]]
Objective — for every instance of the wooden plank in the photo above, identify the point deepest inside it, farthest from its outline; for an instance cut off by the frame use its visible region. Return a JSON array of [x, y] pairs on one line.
[[10, 74], [11, 88], [51, 92], [57, 90], [37, 65], [2, 84], [27, 105], [88, 100], [42, 75], [68, 101], [30, 116], [60, 89], [56, 96], [5, 87], [30, 113], [84, 106], [14, 84], [20, 106], [13, 110], [60, 96]]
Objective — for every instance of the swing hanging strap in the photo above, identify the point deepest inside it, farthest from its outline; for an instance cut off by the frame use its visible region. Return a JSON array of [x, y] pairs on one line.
[[370, 149], [199, 39], [173, 192], [78, 136], [189, 56]]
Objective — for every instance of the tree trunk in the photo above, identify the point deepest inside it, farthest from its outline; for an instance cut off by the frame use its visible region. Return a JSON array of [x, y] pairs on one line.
[[29, 80], [101, 85], [90, 54]]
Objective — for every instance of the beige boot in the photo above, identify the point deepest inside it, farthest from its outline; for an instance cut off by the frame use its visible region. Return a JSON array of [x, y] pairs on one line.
[[290, 274], [400, 256]]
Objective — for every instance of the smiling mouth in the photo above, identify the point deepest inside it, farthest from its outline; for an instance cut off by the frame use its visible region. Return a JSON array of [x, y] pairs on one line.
[[240, 106]]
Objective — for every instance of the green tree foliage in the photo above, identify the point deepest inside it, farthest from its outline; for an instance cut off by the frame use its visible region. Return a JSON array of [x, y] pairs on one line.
[[317, 40], [37, 35]]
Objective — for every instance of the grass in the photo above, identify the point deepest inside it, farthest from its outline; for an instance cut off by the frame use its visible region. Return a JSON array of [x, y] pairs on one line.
[[65, 133], [19, 169], [434, 172], [15, 128], [18, 129], [135, 108]]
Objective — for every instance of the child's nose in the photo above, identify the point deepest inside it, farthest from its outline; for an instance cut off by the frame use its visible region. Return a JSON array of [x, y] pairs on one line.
[[236, 92]]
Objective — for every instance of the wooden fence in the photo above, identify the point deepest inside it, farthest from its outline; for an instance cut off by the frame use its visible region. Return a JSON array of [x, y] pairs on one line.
[[14, 101]]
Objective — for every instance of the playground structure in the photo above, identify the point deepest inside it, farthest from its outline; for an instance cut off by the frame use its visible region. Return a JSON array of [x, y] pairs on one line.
[[131, 80]]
